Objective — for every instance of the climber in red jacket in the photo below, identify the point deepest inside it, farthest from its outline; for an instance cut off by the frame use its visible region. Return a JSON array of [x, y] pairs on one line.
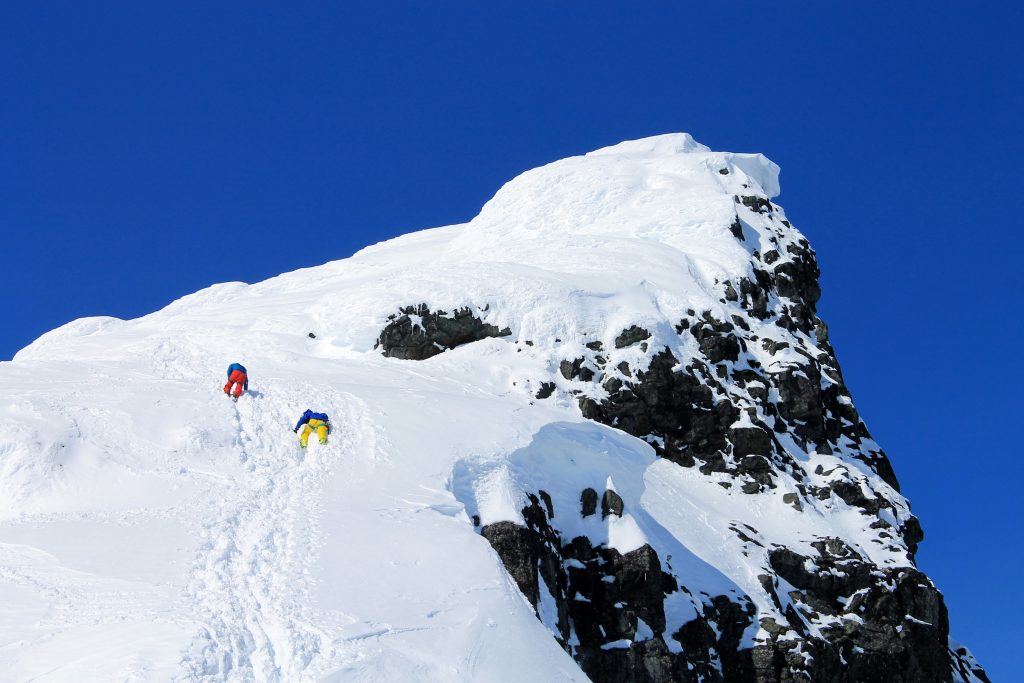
[[238, 377]]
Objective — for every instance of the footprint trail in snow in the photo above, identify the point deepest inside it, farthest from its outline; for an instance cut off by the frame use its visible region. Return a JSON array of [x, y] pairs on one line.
[[251, 576]]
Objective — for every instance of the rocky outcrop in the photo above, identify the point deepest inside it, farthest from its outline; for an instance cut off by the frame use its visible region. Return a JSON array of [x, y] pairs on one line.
[[837, 615], [720, 408], [875, 624], [417, 333], [749, 394], [607, 608]]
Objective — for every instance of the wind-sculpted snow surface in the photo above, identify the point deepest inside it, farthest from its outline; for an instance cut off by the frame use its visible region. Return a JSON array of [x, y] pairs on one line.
[[596, 432]]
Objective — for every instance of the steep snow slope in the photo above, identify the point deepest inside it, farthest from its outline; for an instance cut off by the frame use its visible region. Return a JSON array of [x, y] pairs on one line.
[[152, 530]]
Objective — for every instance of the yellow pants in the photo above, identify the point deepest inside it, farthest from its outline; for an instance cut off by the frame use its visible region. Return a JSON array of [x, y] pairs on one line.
[[321, 431]]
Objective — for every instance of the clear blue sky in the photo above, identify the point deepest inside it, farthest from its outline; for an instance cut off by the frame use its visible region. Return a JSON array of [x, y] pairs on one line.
[[151, 149]]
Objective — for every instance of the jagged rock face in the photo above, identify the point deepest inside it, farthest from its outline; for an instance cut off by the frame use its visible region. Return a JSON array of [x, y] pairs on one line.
[[886, 624], [827, 611], [875, 625], [610, 606], [854, 621], [418, 333]]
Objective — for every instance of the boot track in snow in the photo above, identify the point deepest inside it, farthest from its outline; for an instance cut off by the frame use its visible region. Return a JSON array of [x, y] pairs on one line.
[[251, 575]]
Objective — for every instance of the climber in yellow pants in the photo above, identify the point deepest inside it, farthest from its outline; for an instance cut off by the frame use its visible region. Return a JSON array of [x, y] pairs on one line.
[[310, 422]]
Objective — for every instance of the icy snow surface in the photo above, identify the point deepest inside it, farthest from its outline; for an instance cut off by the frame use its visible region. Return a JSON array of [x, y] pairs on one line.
[[152, 530]]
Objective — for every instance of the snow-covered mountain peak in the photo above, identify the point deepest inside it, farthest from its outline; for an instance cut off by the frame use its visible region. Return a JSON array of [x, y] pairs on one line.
[[667, 188], [668, 144], [579, 244], [762, 173], [598, 431]]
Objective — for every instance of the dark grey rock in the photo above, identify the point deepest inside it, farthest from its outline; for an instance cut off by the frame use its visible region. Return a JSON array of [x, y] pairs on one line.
[[772, 346], [631, 336], [515, 546], [546, 389], [676, 405], [756, 203], [611, 504], [750, 441], [575, 369], [588, 502], [437, 332], [736, 228]]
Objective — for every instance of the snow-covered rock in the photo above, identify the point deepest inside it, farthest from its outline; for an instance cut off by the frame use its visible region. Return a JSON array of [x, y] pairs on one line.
[[596, 432]]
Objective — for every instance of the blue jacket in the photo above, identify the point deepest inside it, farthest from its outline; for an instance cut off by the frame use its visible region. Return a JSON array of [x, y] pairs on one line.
[[310, 415], [239, 366]]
